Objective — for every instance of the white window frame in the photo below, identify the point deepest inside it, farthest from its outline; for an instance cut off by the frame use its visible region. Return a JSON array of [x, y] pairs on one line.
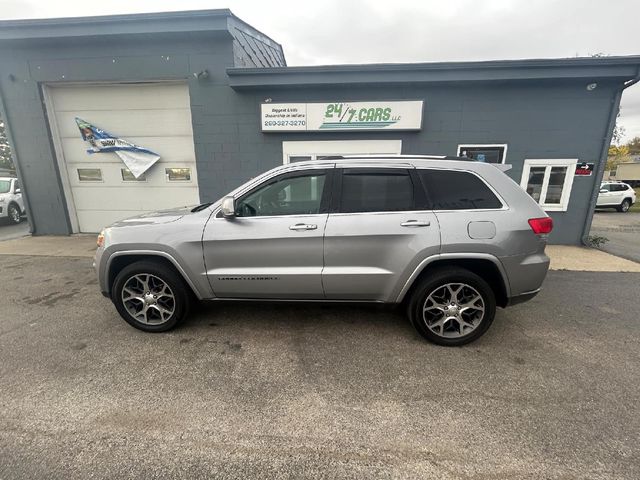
[[483, 145], [570, 163], [319, 148]]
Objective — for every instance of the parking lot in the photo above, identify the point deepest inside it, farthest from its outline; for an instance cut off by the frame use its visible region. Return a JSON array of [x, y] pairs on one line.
[[9, 231], [292, 391], [622, 231]]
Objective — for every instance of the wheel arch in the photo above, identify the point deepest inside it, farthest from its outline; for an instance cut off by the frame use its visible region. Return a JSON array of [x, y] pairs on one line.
[[119, 260], [486, 266]]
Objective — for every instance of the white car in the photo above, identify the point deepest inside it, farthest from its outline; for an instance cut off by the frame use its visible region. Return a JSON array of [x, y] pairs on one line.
[[11, 203], [616, 195]]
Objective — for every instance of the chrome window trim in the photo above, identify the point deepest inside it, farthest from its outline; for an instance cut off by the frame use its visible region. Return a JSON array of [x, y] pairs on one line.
[[290, 167]]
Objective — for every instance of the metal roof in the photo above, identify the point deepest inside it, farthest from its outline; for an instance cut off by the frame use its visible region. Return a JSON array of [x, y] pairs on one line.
[[260, 48], [620, 68]]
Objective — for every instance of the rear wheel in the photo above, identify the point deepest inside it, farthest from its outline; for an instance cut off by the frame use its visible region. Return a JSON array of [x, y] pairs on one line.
[[151, 296], [13, 212], [624, 206], [452, 307]]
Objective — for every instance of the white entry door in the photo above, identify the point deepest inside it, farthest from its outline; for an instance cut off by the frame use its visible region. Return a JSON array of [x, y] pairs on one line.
[[312, 150], [98, 187]]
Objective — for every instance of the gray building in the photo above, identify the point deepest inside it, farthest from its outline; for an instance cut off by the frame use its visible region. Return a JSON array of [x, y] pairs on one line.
[[214, 98]]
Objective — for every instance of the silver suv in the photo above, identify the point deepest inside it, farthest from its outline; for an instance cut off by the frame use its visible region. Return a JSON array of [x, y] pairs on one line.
[[449, 239]]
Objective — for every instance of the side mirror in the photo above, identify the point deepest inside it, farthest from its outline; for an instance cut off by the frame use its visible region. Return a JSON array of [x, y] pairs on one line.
[[228, 207], [602, 190], [17, 190]]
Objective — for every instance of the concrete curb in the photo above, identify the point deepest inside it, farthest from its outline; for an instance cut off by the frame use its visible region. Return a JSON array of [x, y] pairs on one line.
[[583, 259]]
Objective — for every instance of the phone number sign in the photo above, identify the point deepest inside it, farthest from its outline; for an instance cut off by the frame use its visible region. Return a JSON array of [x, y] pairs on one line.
[[341, 116]]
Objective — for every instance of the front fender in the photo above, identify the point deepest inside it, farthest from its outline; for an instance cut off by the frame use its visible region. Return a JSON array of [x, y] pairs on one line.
[[196, 281]]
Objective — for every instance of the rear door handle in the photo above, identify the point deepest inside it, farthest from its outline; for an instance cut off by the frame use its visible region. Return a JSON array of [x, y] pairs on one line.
[[303, 226], [415, 223]]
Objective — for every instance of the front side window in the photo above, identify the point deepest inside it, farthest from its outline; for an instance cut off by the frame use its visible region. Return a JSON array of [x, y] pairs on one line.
[[5, 186], [549, 182], [376, 191], [606, 187], [299, 194], [484, 153], [457, 190]]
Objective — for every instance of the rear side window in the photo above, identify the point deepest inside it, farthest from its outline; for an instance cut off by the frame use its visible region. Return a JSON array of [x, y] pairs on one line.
[[456, 190], [618, 187], [370, 190]]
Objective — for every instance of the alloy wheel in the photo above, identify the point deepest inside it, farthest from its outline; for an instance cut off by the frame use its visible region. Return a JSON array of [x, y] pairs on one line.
[[14, 214], [453, 310], [148, 299]]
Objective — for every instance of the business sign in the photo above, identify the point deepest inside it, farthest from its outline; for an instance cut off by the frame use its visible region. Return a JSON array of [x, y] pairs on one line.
[[341, 116], [584, 169]]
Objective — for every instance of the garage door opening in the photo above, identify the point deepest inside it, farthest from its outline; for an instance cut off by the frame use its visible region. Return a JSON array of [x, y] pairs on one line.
[[99, 189]]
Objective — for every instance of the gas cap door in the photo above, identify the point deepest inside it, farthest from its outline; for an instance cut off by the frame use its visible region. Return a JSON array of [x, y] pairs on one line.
[[481, 230]]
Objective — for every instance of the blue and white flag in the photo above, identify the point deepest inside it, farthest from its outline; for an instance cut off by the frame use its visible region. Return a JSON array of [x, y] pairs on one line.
[[137, 159]]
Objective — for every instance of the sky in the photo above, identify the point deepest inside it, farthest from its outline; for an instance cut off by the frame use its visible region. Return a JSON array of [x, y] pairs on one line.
[[388, 31]]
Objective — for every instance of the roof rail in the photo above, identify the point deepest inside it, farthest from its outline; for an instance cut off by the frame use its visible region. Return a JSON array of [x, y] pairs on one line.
[[395, 155]]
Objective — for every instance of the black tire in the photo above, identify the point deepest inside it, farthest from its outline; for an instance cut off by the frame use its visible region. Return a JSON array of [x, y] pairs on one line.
[[624, 206], [177, 288], [437, 280], [13, 213]]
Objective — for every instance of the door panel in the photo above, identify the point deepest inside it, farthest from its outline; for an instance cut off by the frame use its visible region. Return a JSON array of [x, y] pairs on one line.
[[377, 233], [367, 253], [606, 198], [263, 257], [272, 248]]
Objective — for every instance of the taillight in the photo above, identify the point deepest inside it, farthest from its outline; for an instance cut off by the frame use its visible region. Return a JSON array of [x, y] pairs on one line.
[[541, 225]]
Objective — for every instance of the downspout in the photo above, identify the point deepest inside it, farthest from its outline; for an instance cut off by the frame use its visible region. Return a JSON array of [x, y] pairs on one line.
[[599, 173]]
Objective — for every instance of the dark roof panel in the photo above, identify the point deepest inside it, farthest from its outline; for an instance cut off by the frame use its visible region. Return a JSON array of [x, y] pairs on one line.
[[588, 68]]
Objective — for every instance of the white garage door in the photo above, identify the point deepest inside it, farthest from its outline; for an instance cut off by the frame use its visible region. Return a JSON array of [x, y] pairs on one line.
[[99, 188]]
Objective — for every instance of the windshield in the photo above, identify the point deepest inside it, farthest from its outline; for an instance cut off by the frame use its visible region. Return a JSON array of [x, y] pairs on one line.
[[5, 186]]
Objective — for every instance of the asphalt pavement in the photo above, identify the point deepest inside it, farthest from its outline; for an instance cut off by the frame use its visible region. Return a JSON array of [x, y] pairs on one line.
[[299, 391], [622, 231]]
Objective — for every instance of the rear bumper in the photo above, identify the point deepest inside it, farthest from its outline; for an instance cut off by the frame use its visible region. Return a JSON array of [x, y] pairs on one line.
[[526, 274], [523, 297]]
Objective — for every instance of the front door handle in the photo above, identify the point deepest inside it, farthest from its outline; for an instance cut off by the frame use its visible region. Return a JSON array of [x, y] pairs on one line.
[[303, 226], [415, 223]]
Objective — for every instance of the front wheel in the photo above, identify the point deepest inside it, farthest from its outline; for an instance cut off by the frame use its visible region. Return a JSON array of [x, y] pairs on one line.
[[452, 307], [150, 296], [625, 206], [14, 214]]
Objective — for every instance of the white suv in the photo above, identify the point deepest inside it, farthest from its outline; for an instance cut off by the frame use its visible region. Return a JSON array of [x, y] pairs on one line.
[[11, 204], [616, 195]]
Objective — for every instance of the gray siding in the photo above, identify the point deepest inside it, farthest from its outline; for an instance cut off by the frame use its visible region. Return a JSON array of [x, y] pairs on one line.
[[541, 119], [544, 120], [26, 65]]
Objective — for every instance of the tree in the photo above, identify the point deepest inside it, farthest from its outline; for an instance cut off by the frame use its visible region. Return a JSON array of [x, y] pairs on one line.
[[617, 154], [5, 149], [634, 146]]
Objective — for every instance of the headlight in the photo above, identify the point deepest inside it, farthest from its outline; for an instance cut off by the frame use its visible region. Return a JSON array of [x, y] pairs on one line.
[[100, 240]]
